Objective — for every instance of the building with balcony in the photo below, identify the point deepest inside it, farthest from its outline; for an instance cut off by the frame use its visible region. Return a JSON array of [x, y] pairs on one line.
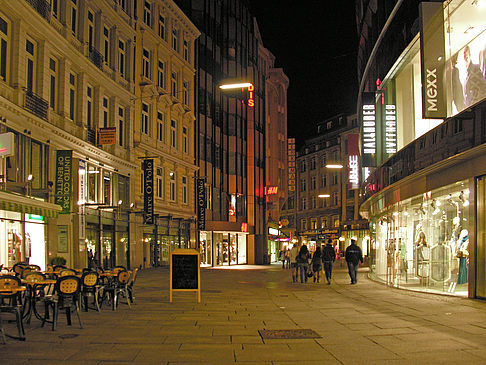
[[163, 135], [421, 108], [66, 91]]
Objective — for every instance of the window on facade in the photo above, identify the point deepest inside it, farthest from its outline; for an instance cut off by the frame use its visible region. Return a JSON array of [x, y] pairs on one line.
[[323, 222], [313, 223], [107, 189], [335, 198], [121, 126], [303, 224], [147, 13], [174, 84], [323, 181], [161, 75], [72, 96], [173, 134], [304, 203], [146, 63], [184, 140], [334, 178], [52, 83], [186, 50], [145, 118], [303, 185], [323, 160], [184, 190], [74, 16], [121, 57], [123, 5], [105, 112], [160, 126], [313, 163], [162, 26], [93, 183], [4, 45], [328, 125], [335, 221], [90, 30], [30, 48], [172, 186], [55, 8], [160, 183], [106, 45], [175, 39], [89, 106], [185, 93], [314, 202], [303, 166], [313, 183]]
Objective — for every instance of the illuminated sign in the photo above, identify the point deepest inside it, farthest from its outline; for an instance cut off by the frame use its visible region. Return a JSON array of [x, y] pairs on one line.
[[201, 203], [82, 197], [35, 217], [6, 144], [107, 135], [273, 231], [390, 129], [353, 162], [291, 163], [251, 101], [244, 227], [271, 190], [64, 159], [232, 205], [368, 129], [148, 191]]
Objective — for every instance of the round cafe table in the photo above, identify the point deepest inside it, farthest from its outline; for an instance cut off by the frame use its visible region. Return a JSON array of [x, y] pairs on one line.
[[31, 300], [8, 291]]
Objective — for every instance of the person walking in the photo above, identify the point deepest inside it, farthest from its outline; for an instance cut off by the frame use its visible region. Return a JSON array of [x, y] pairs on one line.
[[303, 263], [282, 257], [353, 257], [287, 259], [317, 263], [294, 251], [328, 258]]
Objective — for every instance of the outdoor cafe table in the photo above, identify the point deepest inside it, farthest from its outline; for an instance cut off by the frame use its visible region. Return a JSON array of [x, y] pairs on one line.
[[7, 291], [31, 300]]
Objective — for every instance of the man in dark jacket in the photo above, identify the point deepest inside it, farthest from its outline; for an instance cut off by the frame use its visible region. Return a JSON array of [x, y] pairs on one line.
[[353, 257], [328, 258]]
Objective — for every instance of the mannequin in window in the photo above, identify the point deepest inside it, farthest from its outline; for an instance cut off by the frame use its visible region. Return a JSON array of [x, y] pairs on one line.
[[456, 231], [423, 258], [463, 254]]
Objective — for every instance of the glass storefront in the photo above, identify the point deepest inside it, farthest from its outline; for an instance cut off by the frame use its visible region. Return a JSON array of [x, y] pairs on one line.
[[422, 243], [217, 248]]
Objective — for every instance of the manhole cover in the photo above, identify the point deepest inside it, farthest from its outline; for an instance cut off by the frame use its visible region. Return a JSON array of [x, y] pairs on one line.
[[288, 334], [68, 335]]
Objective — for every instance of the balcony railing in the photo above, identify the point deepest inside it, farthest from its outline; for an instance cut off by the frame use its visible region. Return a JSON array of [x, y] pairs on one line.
[[42, 7], [35, 104], [95, 57]]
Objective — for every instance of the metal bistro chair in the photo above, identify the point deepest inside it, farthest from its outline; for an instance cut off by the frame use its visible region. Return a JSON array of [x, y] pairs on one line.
[[130, 284], [19, 267], [12, 302], [90, 286], [66, 272], [66, 296], [117, 287]]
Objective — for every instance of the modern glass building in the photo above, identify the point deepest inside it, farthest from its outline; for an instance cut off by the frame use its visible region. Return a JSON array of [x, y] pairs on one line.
[[422, 108]]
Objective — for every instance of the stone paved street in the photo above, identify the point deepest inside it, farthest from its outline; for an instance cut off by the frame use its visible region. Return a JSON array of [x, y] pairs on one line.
[[366, 323]]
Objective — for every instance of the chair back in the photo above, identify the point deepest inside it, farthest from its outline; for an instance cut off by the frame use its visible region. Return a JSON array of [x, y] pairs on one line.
[[123, 277], [89, 279], [34, 276], [19, 267], [49, 268], [34, 267], [25, 272], [66, 272], [59, 267], [133, 277], [118, 269], [68, 285]]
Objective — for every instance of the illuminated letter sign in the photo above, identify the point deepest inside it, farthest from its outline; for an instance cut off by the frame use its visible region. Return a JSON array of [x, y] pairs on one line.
[[251, 101], [368, 129], [291, 163], [64, 160], [148, 191], [201, 203], [271, 190], [353, 162], [390, 129], [432, 53], [244, 227]]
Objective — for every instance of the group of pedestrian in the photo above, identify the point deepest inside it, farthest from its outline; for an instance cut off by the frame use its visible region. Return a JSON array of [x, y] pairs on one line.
[[322, 257]]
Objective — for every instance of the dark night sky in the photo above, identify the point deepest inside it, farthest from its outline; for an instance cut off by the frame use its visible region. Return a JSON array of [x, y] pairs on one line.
[[315, 43]]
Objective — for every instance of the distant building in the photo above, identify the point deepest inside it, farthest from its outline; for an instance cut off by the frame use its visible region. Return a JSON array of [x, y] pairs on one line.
[[421, 109]]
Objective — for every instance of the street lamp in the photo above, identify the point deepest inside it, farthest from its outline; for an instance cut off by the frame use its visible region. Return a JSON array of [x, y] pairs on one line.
[[236, 85], [334, 166], [324, 196]]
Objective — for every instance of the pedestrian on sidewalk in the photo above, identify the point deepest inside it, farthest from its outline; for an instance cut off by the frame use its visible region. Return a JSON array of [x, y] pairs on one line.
[[317, 263], [281, 257], [353, 256], [294, 251], [287, 259], [303, 263], [328, 258]]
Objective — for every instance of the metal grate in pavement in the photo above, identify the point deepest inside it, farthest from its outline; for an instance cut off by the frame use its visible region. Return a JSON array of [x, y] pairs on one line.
[[288, 334], [68, 335]]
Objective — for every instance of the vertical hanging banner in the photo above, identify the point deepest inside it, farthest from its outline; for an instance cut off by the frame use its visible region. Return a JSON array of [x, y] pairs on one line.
[[148, 191], [64, 161], [201, 203], [368, 129], [82, 198], [353, 161], [291, 162], [432, 57], [390, 128]]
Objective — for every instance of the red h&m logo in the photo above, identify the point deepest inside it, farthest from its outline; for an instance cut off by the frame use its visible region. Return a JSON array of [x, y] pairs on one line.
[[271, 190], [244, 227]]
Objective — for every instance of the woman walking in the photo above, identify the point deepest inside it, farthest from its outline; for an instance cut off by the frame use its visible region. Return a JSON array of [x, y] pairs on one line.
[[303, 263], [317, 263]]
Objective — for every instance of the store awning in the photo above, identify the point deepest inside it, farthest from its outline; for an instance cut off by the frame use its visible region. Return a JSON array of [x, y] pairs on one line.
[[26, 205]]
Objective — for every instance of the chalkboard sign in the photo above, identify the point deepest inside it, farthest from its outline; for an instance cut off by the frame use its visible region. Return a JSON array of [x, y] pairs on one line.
[[184, 272]]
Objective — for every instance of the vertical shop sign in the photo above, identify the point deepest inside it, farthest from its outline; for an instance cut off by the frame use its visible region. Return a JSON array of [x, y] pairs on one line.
[[291, 162], [432, 57], [353, 162], [62, 238], [201, 203], [390, 129], [368, 129], [64, 160], [81, 198], [148, 191]]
